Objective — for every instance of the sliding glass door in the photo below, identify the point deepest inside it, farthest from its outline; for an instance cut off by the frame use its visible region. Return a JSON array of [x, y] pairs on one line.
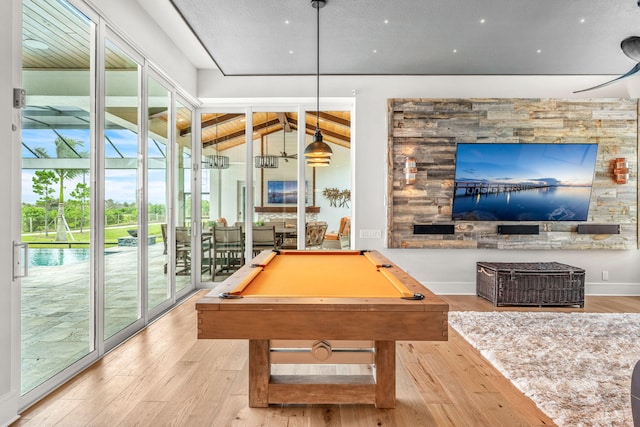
[[122, 185], [106, 175], [56, 313], [182, 184], [157, 185]]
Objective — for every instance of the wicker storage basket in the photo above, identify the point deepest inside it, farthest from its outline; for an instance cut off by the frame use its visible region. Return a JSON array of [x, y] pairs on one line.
[[530, 283]]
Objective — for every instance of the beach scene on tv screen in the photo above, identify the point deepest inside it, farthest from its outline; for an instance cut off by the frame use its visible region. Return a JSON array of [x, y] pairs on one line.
[[523, 182]]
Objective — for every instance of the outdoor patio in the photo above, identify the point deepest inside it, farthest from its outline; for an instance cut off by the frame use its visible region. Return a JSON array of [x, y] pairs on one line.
[[56, 311]]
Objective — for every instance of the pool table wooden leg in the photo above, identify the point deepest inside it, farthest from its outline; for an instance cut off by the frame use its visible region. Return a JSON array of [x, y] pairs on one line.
[[259, 373], [385, 374]]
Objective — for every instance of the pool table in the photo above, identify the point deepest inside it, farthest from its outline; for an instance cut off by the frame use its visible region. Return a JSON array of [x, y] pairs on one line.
[[325, 297]]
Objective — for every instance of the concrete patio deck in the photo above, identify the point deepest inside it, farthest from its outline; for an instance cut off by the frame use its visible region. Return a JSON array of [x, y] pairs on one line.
[[56, 312]]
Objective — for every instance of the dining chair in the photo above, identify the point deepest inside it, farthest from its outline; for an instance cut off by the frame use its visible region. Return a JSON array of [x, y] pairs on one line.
[[163, 230], [183, 250], [333, 239], [314, 234], [228, 249], [345, 236], [263, 238]]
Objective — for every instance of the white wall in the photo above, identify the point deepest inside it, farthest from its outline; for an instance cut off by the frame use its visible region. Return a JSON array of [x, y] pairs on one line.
[[452, 270], [9, 316], [338, 175]]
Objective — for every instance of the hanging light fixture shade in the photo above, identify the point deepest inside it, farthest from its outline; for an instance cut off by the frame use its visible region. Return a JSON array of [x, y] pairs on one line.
[[318, 149], [266, 161], [318, 162], [216, 161]]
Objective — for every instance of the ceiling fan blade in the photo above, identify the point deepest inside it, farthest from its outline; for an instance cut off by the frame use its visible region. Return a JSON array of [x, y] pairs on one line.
[[631, 47], [632, 71]]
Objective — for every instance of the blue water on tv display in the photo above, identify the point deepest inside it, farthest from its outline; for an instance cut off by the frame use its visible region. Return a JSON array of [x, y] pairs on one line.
[[523, 182]]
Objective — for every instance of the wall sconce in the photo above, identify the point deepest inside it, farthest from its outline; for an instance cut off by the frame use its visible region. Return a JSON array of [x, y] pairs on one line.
[[620, 170], [410, 171]]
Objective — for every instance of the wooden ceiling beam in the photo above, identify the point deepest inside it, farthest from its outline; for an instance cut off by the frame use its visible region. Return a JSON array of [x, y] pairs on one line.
[[224, 118], [256, 128], [221, 119], [310, 129], [284, 121], [331, 118]]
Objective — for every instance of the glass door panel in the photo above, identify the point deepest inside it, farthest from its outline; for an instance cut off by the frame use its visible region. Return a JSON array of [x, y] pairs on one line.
[[328, 200], [223, 177], [182, 200], [56, 316], [158, 102], [276, 175], [121, 183]]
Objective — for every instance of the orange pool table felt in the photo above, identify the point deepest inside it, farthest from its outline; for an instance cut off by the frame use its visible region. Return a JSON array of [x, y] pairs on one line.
[[321, 295]]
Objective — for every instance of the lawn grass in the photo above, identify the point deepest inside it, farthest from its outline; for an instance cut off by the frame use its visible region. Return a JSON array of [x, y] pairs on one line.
[[111, 236]]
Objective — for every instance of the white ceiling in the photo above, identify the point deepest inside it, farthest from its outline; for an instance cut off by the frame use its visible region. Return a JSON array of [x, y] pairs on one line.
[[406, 37]]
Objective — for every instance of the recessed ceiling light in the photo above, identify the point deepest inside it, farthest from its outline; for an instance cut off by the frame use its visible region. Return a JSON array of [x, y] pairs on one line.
[[35, 44], [582, 20], [290, 52], [286, 21], [482, 21], [375, 51], [386, 21], [539, 51], [455, 50]]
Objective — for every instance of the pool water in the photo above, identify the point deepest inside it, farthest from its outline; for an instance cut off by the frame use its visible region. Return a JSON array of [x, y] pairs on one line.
[[51, 257]]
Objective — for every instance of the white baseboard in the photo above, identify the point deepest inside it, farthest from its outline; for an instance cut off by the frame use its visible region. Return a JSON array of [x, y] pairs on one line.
[[451, 288], [594, 289], [612, 289], [9, 408]]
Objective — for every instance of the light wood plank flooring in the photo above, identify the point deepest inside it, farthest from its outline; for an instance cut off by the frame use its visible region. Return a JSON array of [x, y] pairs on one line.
[[165, 376]]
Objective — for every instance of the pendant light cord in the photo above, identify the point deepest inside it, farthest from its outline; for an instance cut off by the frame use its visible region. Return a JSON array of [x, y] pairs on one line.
[[318, 67]]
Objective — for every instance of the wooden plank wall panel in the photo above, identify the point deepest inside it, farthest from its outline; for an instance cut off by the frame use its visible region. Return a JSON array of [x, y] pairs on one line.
[[429, 129]]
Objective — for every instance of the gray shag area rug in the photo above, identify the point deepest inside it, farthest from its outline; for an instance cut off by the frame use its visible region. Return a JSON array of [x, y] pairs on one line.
[[575, 366]]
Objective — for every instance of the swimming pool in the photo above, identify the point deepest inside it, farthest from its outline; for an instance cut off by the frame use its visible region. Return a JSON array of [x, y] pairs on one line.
[[52, 257]]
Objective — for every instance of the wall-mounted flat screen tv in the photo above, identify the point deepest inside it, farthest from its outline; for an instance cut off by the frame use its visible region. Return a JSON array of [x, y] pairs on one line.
[[523, 182], [285, 192]]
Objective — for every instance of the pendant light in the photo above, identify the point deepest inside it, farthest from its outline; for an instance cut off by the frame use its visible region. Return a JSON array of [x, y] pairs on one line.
[[266, 161], [318, 153], [216, 161]]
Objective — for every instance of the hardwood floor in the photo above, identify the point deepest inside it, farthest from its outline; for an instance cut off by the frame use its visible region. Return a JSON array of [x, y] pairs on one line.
[[165, 376]]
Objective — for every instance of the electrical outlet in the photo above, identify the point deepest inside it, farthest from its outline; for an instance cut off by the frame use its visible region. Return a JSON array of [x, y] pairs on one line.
[[370, 234], [605, 275]]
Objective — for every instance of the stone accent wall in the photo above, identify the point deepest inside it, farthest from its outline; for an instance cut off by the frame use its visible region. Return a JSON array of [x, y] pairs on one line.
[[429, 129]]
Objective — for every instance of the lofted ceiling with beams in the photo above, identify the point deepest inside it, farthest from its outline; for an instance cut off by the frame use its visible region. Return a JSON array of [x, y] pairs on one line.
[[225, 131]]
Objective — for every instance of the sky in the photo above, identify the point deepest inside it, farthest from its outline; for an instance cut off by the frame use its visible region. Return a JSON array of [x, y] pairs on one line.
[[567, 164], [121, 184]]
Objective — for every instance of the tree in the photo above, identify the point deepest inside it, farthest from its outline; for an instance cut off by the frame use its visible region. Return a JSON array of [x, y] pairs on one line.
[[65, 148], [81, 194], [43, 182], [32, 217]]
